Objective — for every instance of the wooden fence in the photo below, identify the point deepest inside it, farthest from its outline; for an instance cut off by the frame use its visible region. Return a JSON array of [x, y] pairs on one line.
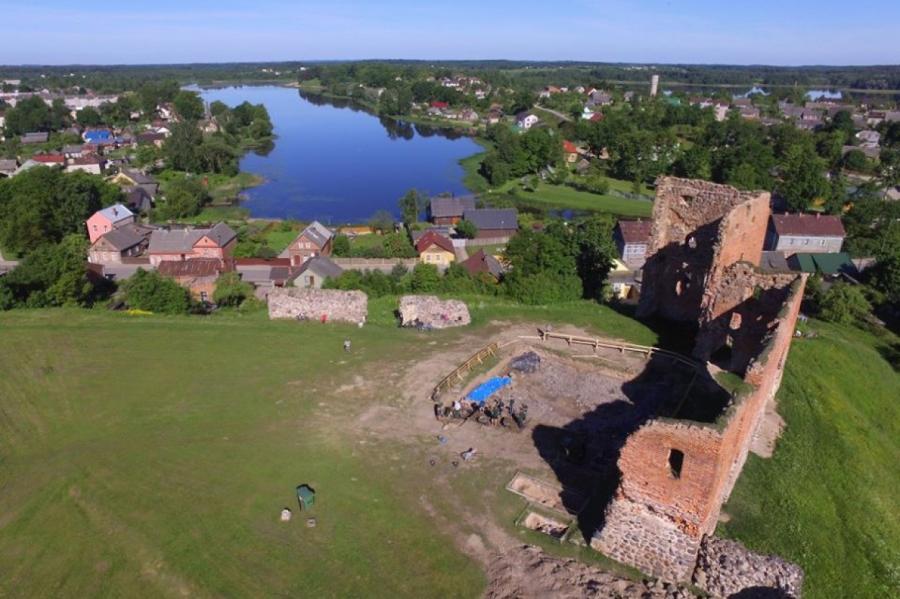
[[646, 350], [463, 369]]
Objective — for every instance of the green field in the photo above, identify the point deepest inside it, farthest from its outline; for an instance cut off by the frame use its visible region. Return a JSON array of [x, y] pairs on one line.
[[828, 499], [562, 197], [148, 456]]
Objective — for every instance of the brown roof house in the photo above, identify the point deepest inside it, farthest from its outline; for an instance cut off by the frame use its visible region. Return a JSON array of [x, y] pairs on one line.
[[632, 238], [314, 240], [198, 275], [117, 245], [500, 223], [435, 249], [185, 244], [449, 211], [314, 272], [480, 264], [807, 233]]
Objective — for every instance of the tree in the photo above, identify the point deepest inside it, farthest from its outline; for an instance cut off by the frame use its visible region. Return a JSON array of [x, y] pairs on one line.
[[425, 278], [89, 117], [885, 276], [50, 275], [411, 205], [397, 245], [844, 304], [231, 290], [382, 221], [149, 290], [30, 114], [218, 108], [466, 229], [43, 205], [803, 177], [694, 163], [188, 105], [184, 197], [340, 246], [855, 160], [181, 148]]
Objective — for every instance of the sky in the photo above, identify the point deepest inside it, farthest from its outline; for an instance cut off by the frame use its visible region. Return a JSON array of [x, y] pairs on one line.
[[783, 32]]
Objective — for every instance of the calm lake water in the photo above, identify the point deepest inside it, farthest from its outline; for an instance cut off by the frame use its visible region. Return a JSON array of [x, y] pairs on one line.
[[337, 163]]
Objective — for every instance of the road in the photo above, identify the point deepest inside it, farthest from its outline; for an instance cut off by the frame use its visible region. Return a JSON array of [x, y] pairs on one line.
[[555, 113]]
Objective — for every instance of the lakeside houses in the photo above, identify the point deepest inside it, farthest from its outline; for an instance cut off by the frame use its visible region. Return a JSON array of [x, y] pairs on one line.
[[95, 165], [109, 218], [131, 178], [632, 237], [315, 240], [216, 242], [197, 275], [807, 233], [264, 274], [449, 210], [116, 246], [494, 223], [435, 249]]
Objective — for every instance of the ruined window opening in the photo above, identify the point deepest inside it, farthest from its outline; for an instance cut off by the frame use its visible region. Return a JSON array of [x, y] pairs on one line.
[[722, 357], [687, 198], [676, 461]]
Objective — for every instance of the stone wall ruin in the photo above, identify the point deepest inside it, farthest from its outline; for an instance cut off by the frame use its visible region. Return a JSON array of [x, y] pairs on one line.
[[431, 312], [706, 243], [318, 304]]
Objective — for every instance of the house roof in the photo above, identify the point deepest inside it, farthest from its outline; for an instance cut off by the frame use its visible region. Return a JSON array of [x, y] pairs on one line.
[[493, 218], [317, 233], [49, 158], [138, 177], [827, 264], [808, 225], [479, 262], [73, 149], [175, 241], [195, 267], [444, 207], [323, 266], [221, 233], [635, 231], [95, 135], [597, 117], [569, 147], [36, 137], [431, 238], [8, 166], [115, 213], [88, 160], [125, 237], [774, 262]]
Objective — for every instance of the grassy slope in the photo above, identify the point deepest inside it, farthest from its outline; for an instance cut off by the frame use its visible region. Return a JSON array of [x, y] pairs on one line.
[[828, 498], [151, 456]]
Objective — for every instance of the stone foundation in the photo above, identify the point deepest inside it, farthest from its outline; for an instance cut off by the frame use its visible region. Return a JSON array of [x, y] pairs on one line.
[[725, 568], [430, 312]]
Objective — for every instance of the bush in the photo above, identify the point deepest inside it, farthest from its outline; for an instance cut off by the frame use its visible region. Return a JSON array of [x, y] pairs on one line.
[[341, 246], [466, 229], [425, 278], [148, 290], [844, 304], [231, 290]]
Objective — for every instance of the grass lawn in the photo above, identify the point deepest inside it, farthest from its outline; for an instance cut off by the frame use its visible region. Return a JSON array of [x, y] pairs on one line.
[[562, 197], [152, 456], [278, 239], [828, 499]]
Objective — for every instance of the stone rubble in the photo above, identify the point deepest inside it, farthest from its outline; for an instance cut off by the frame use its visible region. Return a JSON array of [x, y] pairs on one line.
[[318, 304], [726, 568], [431, 312]]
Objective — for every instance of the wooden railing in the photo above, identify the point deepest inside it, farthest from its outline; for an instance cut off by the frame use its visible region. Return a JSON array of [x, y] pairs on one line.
[[646, 350], [463, 369]]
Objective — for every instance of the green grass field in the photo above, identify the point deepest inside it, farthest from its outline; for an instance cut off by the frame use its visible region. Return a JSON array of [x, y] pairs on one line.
[[562, 197], [828, 499], [148, 456]]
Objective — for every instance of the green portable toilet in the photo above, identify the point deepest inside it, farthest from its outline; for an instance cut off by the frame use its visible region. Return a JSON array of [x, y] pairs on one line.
[[306, 495]]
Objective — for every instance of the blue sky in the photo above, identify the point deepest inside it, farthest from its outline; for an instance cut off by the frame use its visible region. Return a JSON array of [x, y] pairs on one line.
[[785, 32]]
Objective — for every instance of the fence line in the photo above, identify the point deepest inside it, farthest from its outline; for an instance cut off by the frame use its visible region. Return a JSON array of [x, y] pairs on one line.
[[460, 371]]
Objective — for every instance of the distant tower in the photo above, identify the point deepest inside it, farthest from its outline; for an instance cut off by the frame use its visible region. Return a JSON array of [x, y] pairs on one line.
[[654, 85]]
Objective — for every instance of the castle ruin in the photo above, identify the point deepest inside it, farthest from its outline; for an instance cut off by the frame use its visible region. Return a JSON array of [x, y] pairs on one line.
[[702, 268]]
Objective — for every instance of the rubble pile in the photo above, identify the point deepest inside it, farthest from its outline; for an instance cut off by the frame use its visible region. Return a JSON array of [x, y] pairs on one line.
[[430, 312], [527, 362], [726, 568], [323, 305], [526, 571]]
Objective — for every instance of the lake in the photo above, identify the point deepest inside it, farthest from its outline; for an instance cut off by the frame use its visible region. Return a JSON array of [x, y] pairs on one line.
[[337, 163]]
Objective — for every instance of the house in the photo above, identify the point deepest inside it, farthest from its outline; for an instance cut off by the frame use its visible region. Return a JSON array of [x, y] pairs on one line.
[[830, 264], [481, 264], [494, 222], [198, 275], [570, 152], [599, 98], [264, 274], [8, 167], [808, 233], [443, 230], [94, 165], [176, 245], [750, 113], [50, 159], [40, 137], [138, 200], [133, 178], [151, 137], [623, 282], [314, 272], [632, 238], [127, 241], [104, 221], [73, 151], [868, 138], [449, 210], [435, 249], [870, 152], [314, 240], [526, 120], [98, 136]]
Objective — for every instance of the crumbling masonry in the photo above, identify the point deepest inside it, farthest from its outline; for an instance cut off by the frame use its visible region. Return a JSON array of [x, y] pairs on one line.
[[705, 247]]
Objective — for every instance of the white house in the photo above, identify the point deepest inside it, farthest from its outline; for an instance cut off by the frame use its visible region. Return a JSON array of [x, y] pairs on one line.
[[526, 120]]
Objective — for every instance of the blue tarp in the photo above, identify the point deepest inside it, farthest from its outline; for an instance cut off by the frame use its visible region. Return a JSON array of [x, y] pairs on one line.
[[480, 393]]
